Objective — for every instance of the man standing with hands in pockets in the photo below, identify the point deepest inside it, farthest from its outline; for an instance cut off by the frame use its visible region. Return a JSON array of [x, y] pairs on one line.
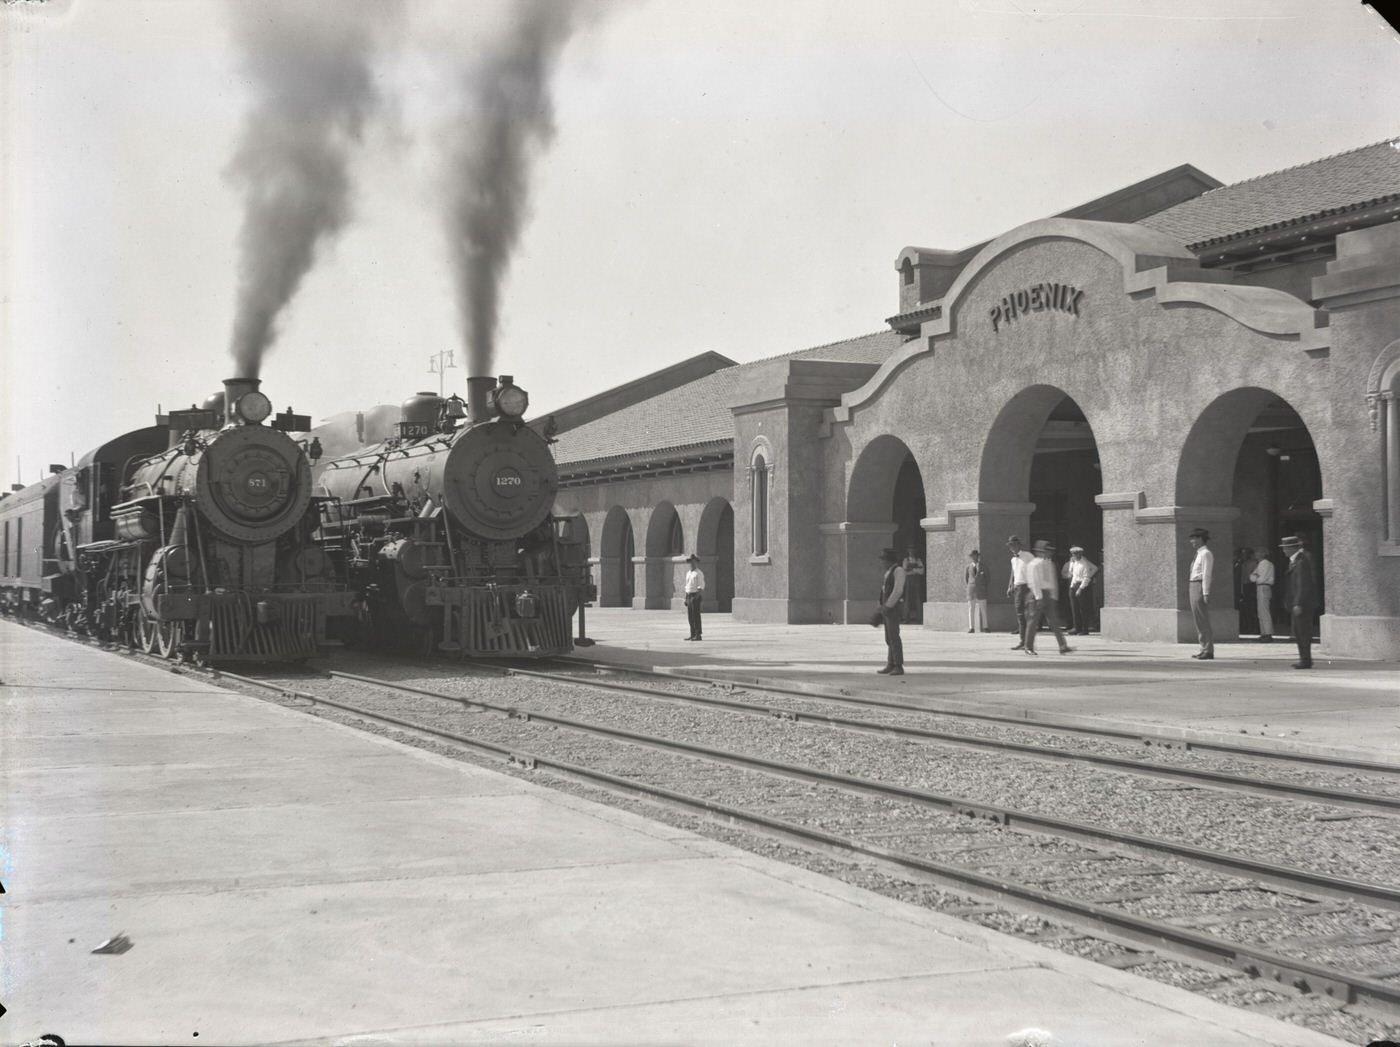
[[694, 593]]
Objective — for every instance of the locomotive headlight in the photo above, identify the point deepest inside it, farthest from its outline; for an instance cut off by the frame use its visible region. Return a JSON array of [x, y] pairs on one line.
[[512, 401], [253, 407]]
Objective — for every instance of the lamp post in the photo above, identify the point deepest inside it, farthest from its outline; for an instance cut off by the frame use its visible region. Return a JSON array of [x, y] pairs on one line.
[[438, 364]]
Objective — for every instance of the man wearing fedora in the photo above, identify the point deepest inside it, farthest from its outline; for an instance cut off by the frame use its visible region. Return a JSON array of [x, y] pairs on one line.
[[1300, 597], [892, 610], [1045, 597], [694, 593], [1198, 581]]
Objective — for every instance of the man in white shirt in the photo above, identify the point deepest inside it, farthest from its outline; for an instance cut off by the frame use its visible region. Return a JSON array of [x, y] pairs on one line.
[[694, 593], [1017, 588], [1045, 597], [1080, 571], [1198, 581], [1263, 578]]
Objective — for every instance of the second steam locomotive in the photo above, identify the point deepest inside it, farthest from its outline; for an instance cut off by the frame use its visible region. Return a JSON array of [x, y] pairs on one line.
[[447, 530]]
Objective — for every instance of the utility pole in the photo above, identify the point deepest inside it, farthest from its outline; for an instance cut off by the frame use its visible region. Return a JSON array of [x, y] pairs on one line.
[[438, 364]]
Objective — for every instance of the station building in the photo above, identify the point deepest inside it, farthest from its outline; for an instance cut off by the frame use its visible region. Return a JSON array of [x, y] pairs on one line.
[[1177, 354]]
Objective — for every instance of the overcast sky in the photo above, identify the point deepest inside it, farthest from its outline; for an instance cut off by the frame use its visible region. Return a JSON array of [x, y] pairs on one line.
[[724, 175]]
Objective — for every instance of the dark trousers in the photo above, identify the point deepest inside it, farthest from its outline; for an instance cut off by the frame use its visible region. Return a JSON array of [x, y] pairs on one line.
[[1200, 611], [1046, 606], [1021, 599], [692, 610], [1302, 634], [894, 657], [1081, 605]]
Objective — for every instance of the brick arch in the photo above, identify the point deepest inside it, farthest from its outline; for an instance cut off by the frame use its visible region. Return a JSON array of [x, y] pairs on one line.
[[714, 544], [1009, 450], [870, 492], [1206, 467], [616, 547]]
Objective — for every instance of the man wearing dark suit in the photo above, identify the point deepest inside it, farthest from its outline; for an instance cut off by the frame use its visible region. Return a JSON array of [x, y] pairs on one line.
[[1300, 597]]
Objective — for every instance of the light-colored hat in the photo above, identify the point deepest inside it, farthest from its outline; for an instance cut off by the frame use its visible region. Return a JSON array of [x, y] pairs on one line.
[[1043, 546], [1076, 548], [1292, 539]]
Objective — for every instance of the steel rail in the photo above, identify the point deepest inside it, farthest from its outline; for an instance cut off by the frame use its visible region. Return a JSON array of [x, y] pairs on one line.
[[1223, 779], [1141, 736], [1289, 877], [1161, 936]]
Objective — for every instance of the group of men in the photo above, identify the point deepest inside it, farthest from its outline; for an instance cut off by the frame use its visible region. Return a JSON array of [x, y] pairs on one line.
[[1034, 591], [1300, 595]]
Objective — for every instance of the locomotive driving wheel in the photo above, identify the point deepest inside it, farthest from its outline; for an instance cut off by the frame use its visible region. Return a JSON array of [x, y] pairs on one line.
[[147, 631], [168, 635]]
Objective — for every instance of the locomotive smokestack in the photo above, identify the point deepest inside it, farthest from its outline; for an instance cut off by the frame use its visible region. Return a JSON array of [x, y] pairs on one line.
[[237, 387], [479, 399]]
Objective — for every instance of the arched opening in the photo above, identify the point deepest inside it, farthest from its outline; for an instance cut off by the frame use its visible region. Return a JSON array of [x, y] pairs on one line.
[[885, 505], [664, 542], [616, 585], [715, 547], [1042, 451], [1251, 461]]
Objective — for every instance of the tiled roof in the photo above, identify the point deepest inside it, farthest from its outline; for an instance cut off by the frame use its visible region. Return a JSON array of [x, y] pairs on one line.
[[1346, 181], [697, 414]]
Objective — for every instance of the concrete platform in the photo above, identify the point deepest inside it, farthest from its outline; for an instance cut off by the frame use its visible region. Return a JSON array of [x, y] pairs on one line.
[[1250, 692], [283, 879]]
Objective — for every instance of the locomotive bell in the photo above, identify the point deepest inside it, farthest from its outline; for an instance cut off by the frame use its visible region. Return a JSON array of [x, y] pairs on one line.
[[215, 402]]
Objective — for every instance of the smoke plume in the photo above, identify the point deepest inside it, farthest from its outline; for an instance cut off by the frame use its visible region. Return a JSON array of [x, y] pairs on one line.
[[310, 65], [507, 120]]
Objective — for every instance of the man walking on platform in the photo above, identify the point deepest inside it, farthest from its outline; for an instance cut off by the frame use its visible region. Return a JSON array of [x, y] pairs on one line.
[[1045, 598], [1018, 589]]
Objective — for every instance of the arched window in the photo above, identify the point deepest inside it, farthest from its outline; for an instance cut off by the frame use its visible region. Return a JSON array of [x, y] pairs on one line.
[[675, 538], [1383, 401], [758, 483]]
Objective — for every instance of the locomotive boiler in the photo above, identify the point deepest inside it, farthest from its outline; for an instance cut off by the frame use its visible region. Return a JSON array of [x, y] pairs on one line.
[[195, 538], [448, 531]]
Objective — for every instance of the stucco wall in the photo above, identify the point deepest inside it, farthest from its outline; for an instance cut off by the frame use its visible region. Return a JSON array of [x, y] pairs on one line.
[[1168, 373]]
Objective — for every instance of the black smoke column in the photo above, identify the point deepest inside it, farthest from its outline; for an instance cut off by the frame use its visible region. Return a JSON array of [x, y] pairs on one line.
[[507, 120], [310, 66]]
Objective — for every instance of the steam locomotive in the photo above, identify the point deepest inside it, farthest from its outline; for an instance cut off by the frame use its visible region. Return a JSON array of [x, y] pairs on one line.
[[192, 538], [448, 533]]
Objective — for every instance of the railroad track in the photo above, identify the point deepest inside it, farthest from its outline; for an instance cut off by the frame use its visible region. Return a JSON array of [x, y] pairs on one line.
[[1244, 913]]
